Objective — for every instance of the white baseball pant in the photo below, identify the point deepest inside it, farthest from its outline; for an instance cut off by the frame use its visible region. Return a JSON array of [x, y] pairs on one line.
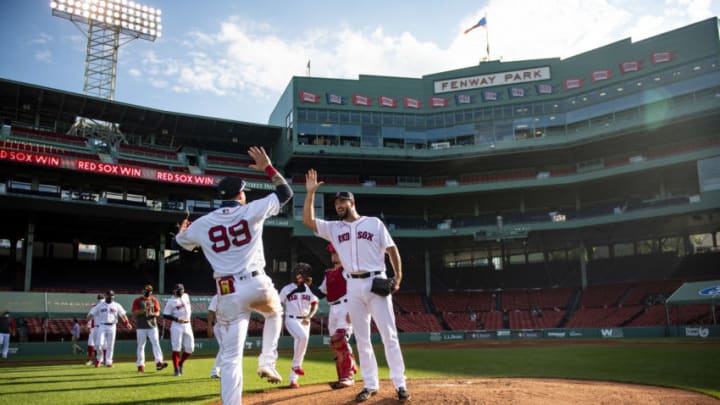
[[362, 305], [301, 336], [233, 316], [5, 341], [181, 337], [105, 340], [143, 335]]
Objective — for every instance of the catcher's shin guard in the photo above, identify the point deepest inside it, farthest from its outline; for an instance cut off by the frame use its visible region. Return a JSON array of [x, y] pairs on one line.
[[344, 359]]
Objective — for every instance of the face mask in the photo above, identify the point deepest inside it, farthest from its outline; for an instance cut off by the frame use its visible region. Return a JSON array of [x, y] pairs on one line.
[[146, 294]]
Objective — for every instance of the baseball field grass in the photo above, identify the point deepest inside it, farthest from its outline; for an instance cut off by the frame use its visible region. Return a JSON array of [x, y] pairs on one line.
[[685, 364]]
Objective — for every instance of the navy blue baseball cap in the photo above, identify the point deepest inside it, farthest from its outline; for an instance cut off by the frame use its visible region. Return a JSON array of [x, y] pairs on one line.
[[345, 195], [230, 187]]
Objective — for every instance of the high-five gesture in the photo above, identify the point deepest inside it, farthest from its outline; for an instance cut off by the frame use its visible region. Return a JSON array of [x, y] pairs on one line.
[[260, 157], [311, 183]]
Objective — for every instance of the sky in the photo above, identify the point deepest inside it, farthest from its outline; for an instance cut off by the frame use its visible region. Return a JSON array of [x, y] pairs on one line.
[[233, 59]]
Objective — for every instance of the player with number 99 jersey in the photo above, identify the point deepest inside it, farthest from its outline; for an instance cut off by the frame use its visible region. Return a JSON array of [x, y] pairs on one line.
[[242, 238]]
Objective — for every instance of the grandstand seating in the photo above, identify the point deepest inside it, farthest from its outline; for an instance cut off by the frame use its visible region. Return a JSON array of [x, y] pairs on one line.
[[408, 302], [48, 136], [415, 322], [463, 320], [462, 301], [603, 295], [603, 317], [153, 152], [640, 292], [542, 319]]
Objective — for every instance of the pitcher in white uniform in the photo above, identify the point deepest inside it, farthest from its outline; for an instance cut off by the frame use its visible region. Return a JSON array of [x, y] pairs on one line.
[[362, 243], [231, 240], [300, 306]]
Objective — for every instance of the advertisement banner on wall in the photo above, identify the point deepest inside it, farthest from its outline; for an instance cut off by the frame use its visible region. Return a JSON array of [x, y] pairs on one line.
[[480, 335], [527, 334]]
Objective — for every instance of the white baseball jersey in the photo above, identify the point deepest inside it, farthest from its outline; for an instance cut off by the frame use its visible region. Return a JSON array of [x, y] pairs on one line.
[[104, 313], [213, 304], [299, 303], [179, 307], [233, 248], [361, 244]]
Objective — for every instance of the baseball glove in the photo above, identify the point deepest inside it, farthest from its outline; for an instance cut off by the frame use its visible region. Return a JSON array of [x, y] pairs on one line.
[[383, 286]]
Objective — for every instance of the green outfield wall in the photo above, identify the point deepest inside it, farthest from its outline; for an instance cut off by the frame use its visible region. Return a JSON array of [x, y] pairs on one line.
[[208, 346]]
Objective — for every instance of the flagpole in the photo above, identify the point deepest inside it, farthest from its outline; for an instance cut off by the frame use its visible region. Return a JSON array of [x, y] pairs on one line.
[[487, 39]]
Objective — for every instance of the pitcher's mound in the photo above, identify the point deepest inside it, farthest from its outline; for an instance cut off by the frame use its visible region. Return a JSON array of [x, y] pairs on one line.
[[489, 391]]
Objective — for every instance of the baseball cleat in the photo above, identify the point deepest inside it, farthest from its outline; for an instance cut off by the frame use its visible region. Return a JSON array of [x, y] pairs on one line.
[[160, 366], [336, 385], [298, 370], [180, 369], [294, 384], [365, 394], [214, 376], [89, 363], [109, 365], [403, 395], [97, 364], [270, 373], [178, 373], [141, 369]]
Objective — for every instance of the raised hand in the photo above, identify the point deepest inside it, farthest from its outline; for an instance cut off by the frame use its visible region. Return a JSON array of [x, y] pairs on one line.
[[260, 157], [311, 182]]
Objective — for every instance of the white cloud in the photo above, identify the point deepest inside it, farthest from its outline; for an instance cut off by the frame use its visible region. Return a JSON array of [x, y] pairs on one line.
[[135, 72], [44, 55], [40, 38], [248, 59]]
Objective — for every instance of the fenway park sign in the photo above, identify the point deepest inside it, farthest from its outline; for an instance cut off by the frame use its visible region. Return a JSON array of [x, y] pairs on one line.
[[492, 79]]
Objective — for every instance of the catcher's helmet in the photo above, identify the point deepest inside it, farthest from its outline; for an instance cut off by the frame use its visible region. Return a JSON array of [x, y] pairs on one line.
[[302, 269]]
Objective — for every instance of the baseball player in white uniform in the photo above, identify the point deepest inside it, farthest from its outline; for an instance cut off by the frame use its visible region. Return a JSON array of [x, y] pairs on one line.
[[90, 325], [300, 306], [106, 314], [334, 286], [362, 242], [178, 310], [231, 240], [211, 322]]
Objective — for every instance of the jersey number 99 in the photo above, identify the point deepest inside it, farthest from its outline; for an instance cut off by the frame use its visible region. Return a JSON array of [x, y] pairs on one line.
[[223, 237]]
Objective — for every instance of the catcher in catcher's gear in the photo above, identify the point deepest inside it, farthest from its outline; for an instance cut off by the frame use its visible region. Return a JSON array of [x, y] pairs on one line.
[[334, 286]]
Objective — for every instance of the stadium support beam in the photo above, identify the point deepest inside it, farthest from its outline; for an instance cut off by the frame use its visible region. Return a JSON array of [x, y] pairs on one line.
[[161, 264], [583, 265], [29, 245], [427, 273]]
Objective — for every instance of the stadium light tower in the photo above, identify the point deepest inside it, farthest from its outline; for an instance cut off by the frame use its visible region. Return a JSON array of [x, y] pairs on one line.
[[108, 23]]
